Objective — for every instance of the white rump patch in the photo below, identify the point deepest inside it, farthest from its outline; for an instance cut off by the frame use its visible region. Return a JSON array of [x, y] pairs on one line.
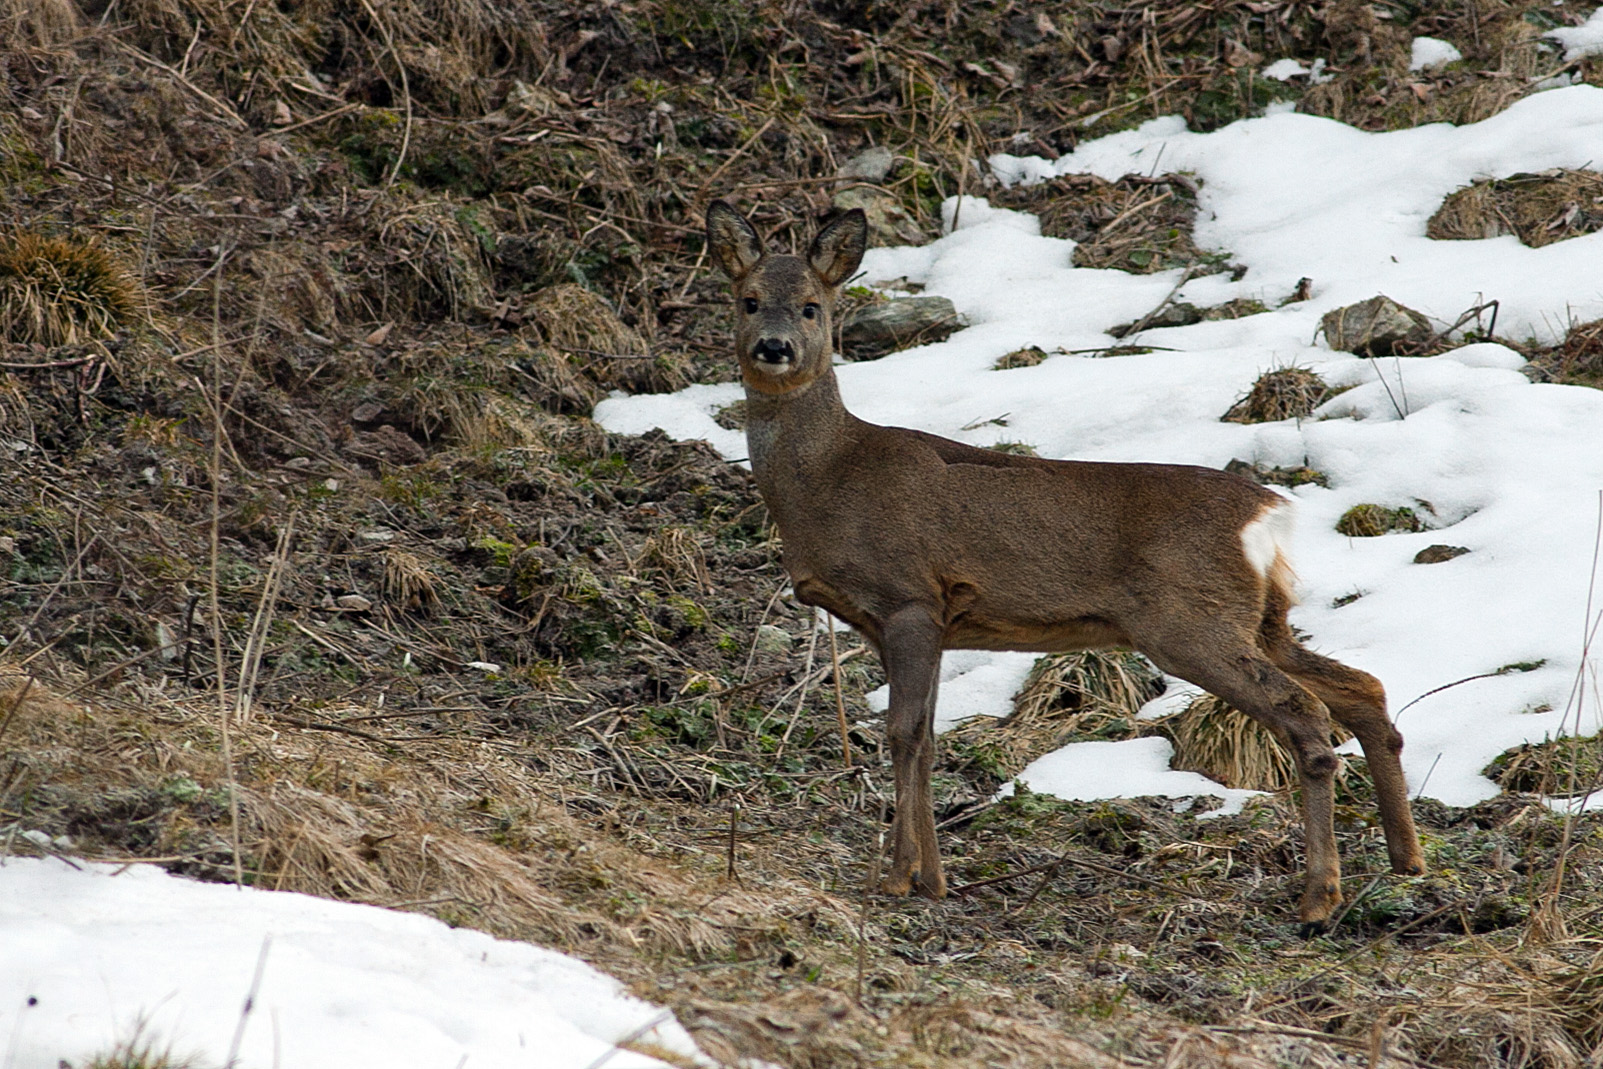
[[1269, 537]]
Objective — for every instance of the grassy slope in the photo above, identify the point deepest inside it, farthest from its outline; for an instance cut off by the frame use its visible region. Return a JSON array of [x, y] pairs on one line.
[[397, 253]]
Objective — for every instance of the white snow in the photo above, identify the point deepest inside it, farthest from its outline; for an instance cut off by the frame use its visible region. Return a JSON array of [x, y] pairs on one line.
[[1510, 469], [1583, 40], [1135, 768], [93, 956], [1432, 52], [1283, 70]]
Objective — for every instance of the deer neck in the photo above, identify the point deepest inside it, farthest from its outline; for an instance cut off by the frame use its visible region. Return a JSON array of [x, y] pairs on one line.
[[792, 438]]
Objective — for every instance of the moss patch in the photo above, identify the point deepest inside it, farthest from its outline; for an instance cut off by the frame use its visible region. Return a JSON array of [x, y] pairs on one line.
[[1370, 521]]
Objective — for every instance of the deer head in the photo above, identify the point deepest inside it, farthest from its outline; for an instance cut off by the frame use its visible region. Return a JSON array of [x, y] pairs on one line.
[[784, 305]]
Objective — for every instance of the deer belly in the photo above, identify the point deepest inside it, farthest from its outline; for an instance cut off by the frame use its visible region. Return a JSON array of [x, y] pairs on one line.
[[973, 631]]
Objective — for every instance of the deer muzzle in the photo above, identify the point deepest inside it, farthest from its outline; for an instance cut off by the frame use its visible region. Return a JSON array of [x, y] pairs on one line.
[[773, 352]]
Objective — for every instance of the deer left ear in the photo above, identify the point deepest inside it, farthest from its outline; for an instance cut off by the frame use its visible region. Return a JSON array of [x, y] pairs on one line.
[[839, 247]]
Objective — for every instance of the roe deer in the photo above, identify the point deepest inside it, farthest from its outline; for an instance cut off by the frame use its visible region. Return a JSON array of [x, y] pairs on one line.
[[925, 544]]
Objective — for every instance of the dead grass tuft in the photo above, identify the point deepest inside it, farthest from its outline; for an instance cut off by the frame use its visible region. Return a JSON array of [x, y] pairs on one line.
[[431, 264], [1575, 361], [1088, 694], [1230, 747], [583, 327], [407, 582], [1564, 767], [61, 291], [38, 23], [1284, 393], [1136, 224], [1539, 209], [676, 552]]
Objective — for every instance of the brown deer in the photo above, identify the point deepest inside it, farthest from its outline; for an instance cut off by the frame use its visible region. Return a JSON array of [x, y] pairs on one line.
[[924, 544]]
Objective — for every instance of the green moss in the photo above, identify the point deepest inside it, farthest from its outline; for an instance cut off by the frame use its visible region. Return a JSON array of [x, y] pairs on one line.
[[1370, 521]]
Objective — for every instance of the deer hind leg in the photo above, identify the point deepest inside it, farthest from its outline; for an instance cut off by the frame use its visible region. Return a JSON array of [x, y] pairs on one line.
[[1358, 702], [1241, 675], [910, 645]]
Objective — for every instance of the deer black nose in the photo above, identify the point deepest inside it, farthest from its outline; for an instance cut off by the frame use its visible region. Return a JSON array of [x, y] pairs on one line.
[[773, 351]]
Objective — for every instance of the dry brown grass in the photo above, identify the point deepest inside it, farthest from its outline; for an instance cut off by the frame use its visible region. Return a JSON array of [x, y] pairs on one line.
[[61, 291], [1230, 747], [1539, 209], [408, 583], [1089, 694], [1575, 361], [1284, 393], [38, 23], [1136, 224], [581, 326]]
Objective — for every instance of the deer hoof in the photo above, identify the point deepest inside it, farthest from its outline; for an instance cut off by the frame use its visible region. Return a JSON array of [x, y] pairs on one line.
[[931, 888], [899, 884], [1309, 929], [1318, 904], [1409, 866]]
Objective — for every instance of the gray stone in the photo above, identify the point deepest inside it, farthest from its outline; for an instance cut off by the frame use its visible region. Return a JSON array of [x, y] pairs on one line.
[[888, 221], [1438, 553], [871, 165], [1377, 327], [771, 639], [877, 329]]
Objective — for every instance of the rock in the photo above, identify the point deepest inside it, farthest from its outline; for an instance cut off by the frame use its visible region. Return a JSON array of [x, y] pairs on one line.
[[871, 165], [1376, 327], [878, 329], [386, 443], [771, 639], [1173, 314], [888, 221], [353, 603], [1438, 553], [1264, 475]]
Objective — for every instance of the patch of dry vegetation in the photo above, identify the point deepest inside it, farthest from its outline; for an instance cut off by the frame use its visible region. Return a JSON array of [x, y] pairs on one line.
[[1282, 393], [1137, 224], [56, 291], [1575, 361], [1539, 209]]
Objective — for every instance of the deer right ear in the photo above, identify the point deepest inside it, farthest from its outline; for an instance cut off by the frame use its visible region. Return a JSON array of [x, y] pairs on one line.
[[734, 244]]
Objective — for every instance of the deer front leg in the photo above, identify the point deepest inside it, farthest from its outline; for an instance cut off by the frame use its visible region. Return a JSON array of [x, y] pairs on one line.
[[910, 645]]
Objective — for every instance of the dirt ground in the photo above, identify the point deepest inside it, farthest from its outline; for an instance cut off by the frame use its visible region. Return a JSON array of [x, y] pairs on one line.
[[315, 574]]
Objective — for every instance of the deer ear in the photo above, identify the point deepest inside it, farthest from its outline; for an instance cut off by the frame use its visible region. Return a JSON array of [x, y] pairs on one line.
[[734, 244], [838, 248]]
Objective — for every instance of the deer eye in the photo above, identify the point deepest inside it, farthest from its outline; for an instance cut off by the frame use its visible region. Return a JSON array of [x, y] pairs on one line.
[[810, 311], [751, 305]]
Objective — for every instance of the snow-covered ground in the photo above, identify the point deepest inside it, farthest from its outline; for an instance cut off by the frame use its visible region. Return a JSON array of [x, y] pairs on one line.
[[96, 955], [1509, 469]]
